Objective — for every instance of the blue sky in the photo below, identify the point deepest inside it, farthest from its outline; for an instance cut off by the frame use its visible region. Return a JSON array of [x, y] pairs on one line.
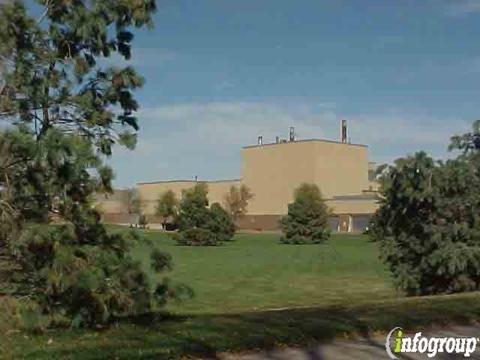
[[219, 73]]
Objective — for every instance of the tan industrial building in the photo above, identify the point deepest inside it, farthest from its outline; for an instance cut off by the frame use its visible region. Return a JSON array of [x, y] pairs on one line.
[[273, 171]]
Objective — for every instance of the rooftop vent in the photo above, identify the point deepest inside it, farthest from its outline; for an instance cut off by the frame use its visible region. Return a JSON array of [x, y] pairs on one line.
[[260, 140], [292, 134], [344, 132]]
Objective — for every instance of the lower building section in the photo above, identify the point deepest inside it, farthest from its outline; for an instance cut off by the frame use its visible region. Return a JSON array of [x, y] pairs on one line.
[[119, 218], [260, 222], [343, 223]]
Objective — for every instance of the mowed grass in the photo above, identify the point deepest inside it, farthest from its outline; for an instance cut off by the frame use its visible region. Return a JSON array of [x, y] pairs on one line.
[[256, 272], [254, 293]]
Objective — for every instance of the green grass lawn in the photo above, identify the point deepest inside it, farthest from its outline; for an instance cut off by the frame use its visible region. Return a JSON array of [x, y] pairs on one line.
[[255, 293], [256, 272]]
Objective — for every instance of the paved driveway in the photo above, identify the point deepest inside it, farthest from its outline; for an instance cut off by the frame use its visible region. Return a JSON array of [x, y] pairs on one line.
[[368, 349]]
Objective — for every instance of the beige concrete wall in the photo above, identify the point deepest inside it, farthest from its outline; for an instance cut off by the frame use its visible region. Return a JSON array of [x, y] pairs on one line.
[[341, 169], [150, 192], [110, 206], [273, 171], [111, 203]]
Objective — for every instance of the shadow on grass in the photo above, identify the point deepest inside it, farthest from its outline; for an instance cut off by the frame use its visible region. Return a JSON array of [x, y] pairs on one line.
[[162, 336]]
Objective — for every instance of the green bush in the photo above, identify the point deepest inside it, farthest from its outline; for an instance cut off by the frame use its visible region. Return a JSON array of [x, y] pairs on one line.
[[307, 218], [86, 283], [428, 224], [200, 225], [220, 223], [193, 210], [197, 237], [75, 272], [22, 314]]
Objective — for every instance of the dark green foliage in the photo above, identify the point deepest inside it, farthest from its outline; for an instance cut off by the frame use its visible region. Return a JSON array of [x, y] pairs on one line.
[[200, 225], [87, 283], [53, 69], [220, 223], [193, 211], [160, 261], [428, 224], [469, 143], [76, 271], [197, 237], [307, 219], [68, 110]]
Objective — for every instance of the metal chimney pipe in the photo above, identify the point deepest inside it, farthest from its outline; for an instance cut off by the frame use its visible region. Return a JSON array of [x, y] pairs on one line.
[[260, 140], [344, 132]]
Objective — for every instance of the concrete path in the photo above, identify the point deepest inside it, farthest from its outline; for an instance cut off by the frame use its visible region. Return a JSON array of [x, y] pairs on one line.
[[368, 349]]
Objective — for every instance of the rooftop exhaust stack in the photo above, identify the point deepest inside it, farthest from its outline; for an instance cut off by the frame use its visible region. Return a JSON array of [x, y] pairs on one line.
[[344, 131], [292, 133], [260, 140], [277, 140]]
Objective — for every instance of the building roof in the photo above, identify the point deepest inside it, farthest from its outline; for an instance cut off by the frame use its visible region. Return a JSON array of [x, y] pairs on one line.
[[187, 181], [302, 141]]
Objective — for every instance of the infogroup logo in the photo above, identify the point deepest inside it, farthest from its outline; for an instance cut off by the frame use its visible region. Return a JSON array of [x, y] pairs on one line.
[[397, 343]]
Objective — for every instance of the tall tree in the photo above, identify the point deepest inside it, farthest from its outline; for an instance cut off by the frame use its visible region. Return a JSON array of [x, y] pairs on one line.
[[428, 224], [132, 201], [307, 218], [167, 207], [193, 209], [236, 201], [54, 74], [68, 109]]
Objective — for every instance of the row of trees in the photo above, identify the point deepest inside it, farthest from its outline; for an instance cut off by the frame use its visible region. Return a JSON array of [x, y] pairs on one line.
[[235, 203], [307, 221]]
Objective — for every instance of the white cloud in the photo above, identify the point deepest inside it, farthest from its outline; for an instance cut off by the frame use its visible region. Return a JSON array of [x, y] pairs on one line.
[[462, 7], [186, 139], [242, 122], [394, 135], [409, 130], [225, 123]]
